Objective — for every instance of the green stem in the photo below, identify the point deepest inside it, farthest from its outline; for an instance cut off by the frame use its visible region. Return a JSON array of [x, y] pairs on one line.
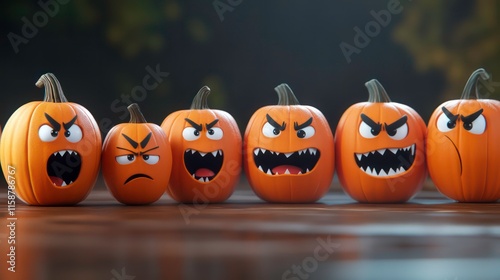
[[200, 101], [286, 96], [472, 83], [136, 115], [53, 90], [376, 91]]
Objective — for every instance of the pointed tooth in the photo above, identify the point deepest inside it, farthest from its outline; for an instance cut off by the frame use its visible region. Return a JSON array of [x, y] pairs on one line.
[[391, 172], [366, 154], [382, 173], [61, 153], [277, 153], [70, 183], [307, 170], [214, 153], [202, 154], [413, 149], [394, 151], [269, 172], [288, 154], [381, 151], [287, 171], [63, 184], [372, 152], [359, 156], [193, 175], [256, 151], [206, 179], [201, 180], [374, 172], [368, 170], [262, 150], [260, 168], [272, 152], [187, 151], [193, 151], [312, 151], [300, 172], [55, 153]]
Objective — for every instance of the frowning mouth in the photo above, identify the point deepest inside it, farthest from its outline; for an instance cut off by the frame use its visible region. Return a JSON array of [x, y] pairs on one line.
[[278, 163], [203, 166], [63, 167], [386, 162], [135, 176]]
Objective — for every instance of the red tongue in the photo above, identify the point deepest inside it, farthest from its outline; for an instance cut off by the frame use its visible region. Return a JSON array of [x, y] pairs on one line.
[[56, 180], [281, 169], [204, 172]]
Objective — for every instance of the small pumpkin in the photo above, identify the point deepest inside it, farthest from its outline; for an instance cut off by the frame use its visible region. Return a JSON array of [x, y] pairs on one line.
[[206, 151], [288, 151], [463, 153], [136, 160], [380, 149], [54, 146]]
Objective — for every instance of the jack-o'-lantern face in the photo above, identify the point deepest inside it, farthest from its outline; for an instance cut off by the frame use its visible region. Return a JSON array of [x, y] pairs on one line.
[[463, 154], [136, 160], [289, 155], [380, 149]]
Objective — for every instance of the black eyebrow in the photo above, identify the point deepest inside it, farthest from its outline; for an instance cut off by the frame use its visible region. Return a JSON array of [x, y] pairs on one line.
[[448, 114], [69, 124], [132, 152], [146, 140], [298, 126], [275, 124], [132, 142], [198, 127], [370, 122], [210, 125], [55, 125], [472, 117], [395, 125], [142, 153]]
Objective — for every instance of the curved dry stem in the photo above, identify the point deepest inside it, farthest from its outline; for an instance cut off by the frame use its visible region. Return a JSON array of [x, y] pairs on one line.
[[472, 83], [286, 96], [200, 100], [53, 90], [136, 115], [376, 91]]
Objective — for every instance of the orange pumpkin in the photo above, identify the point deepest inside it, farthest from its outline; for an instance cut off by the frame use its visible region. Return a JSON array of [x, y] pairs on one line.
[[288, 151], [380, 149], [54, 147], [463, 154], [206, 150], [136, 160]]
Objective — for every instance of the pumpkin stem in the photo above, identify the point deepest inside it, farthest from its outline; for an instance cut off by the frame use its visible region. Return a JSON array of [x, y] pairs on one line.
[[200, 100], [53, 90], [472, 83], [376, 91], [286, 96], [136, 115]]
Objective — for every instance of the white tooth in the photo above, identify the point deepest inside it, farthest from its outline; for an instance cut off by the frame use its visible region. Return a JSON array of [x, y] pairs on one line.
[[61, 153], [400, 170], [304, 151], [287, 172], [391, 172], [187, 151], [381, 151], [55, 153], [256, 151], [358, 156], [63, 184], [277, 153], [307, 170], [300, 172], [70, 183], [214, 153], [366, 154], [368, 170], [269, 172], [193, 151], [74, 153], [372, 152], [272, 152], [202, 154], [201, 180], [382, 173], [206, 179], [362, 169], [288, 154], [413, 149], [193, 175], [260, 168], [312, 151], [394, 151], [374, 172], [262, 150]]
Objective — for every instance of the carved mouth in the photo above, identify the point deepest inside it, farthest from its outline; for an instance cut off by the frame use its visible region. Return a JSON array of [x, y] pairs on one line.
[[203, 166], [278, 163], [386, 162], [135, 176], [63, 167]]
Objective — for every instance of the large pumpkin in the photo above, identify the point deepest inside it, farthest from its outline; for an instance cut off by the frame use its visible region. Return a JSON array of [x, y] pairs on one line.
[[379, 148], [463, 151], [288, 151], [206, 151], [54, 146], [136, 160]]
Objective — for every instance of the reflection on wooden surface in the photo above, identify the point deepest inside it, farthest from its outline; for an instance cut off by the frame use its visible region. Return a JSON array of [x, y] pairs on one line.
[[428, 238]]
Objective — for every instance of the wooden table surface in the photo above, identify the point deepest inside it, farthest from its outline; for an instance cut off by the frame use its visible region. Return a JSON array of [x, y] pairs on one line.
[[429, 237]]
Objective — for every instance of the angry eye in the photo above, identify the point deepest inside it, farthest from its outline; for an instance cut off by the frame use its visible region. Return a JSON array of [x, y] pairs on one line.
[[125, 159], [478, 126], [270, 131], [190, 134], [399, 133], [47, 133], [215, 133], [151, 159], [73, 134], [306, 132], [366, 131], [444, 124]]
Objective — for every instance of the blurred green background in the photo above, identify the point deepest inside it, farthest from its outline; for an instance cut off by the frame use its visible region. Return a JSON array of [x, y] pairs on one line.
[[99, 50]]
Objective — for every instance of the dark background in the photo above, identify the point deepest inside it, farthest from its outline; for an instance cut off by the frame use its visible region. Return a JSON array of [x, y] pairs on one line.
[[99, 51]]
